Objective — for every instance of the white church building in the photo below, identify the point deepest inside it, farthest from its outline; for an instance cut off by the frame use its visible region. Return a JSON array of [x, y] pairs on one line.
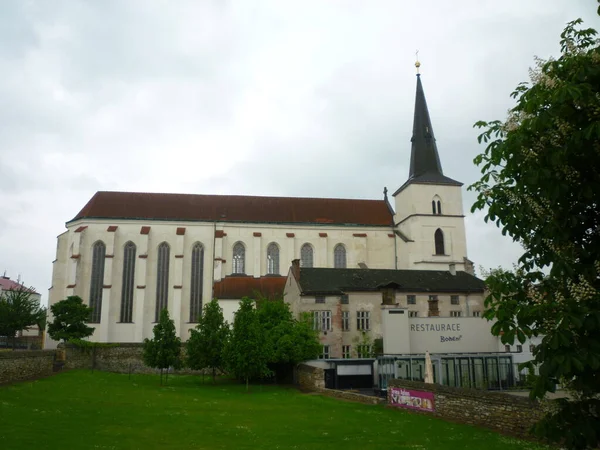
[[129, 255]]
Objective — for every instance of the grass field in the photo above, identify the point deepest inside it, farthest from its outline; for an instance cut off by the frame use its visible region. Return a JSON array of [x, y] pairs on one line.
[[84, 410]]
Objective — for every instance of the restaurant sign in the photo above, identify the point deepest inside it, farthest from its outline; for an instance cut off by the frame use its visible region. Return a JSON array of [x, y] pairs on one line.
[[405, 398]]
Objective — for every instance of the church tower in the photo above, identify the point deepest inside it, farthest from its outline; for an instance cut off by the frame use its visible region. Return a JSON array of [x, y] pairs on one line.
[[429, 211]]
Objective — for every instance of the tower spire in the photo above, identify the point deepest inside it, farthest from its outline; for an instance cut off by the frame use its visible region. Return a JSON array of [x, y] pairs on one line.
[[425, 162]]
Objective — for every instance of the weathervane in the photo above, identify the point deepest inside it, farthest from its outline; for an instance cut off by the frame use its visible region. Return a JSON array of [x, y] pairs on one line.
[[417, 63]]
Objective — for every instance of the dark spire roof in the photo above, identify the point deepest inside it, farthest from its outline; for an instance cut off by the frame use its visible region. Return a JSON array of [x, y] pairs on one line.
[[425, 165]]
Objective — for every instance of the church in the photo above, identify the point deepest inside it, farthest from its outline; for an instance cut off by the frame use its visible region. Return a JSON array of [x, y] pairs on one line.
[[129, 254]]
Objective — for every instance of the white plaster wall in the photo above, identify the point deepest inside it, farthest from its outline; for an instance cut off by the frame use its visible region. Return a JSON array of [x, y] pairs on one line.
[[416, 199]]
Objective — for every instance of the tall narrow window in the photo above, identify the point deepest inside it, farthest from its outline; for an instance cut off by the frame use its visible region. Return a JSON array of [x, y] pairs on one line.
[[273, 259], [433, 206], [339, 257], [127, 285], [306, 256], [239, 258], [439, 207], [196, 282], [97, 281], [162, 279], [439, 242]]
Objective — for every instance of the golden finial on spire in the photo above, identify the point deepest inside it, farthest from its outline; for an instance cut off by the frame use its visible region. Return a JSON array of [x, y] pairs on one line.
[[417, 63]]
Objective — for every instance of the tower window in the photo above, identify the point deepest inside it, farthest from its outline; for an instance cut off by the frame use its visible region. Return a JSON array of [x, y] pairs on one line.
[[433, 206], [439, 242], [339, 257], [439, 207]]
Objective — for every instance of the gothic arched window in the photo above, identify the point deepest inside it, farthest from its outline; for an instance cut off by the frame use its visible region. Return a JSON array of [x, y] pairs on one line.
[[127, 285], [433, 206], [162, 279], [439, 207], [196, 282], [339, 257], [97, 281], [439, 242], [273, 259], [239, 258], [306, 256]]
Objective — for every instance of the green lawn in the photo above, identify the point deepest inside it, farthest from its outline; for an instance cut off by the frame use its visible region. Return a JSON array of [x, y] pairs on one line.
[[84, 410]]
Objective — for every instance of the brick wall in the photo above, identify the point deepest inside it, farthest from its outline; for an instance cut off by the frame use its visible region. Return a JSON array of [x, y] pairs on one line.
[[509, 414], [25, 365]]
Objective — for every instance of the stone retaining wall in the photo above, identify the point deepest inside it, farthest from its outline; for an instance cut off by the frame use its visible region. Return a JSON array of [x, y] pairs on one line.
[[506, 413], [310, 377], [25, 365]]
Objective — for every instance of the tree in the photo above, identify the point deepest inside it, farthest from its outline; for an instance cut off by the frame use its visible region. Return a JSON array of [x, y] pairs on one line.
[[19, 310], [290, 341], [207, 343], [541, 185], [70, 317], [248, 349], [164, 350]]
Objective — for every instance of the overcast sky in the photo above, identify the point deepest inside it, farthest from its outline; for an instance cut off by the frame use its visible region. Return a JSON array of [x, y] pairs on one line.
[[282, 98]]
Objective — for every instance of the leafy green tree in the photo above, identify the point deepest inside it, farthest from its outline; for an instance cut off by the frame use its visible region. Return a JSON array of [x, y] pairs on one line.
[[541, 186], [205, 348], [69, 319], [19, 310], [248, 350], [290, 341], [164, 350]]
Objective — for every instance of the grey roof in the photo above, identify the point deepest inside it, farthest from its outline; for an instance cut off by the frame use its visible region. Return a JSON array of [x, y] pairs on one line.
[[337, 281], [425, 165]]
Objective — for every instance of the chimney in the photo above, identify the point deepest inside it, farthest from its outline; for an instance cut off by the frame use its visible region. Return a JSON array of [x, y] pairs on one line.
[[296, 269], [452, 268]]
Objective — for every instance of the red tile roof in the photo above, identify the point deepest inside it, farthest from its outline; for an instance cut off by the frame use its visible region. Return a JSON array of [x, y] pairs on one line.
[[236, 287], [9, 285], [236, 208]]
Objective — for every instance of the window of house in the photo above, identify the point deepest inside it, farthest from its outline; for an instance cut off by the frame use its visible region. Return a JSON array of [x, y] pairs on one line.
[[364, 351], [320, 299], [239, 258], [346, 351], [455, 313], [519, 349], [344, 299], [127, 285], [413, 314], [324, 352], [531, 348], [339, 257], [196, 278], [345, 320], [411, 299], [439, 207], [97, 281], [433, 297], [433, 206], [322, 320], [162, 279], [273, 259], [439, 242], [454, 300], [306, 256], [476, 313], [363, 320], [507, 348]]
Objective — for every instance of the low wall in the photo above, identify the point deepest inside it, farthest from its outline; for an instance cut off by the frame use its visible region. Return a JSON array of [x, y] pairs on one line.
[[25, 365], [501, 412]]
